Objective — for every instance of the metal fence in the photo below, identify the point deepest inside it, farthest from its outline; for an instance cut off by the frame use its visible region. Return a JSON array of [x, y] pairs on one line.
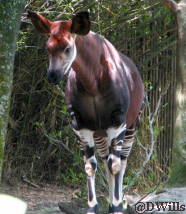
[[152, 45]]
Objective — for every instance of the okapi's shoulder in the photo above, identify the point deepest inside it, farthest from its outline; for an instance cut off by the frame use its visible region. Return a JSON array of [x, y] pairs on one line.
[[105, 74]]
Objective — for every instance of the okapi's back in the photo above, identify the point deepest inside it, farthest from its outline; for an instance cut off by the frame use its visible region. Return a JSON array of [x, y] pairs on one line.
[[136, 89], [126, 75]]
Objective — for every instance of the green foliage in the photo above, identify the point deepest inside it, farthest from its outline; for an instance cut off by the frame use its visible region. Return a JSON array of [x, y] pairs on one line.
[[73, 178], [23, 38], [157, 130]]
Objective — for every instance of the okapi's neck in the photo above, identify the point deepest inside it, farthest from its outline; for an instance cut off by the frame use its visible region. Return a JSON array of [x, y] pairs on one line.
[[87, 64]]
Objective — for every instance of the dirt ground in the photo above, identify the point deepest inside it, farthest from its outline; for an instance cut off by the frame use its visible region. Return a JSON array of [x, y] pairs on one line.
[[40, 200], [44, 199]]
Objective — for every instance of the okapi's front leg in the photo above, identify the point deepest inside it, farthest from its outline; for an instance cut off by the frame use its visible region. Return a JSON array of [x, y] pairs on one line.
[[116, 168], [90, 169], [117, 161]]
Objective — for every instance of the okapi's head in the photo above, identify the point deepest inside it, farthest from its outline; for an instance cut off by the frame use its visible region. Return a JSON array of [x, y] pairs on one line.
[[61, 43]]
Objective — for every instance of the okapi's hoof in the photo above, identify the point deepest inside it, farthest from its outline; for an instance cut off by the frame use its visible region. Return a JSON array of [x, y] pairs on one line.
[[93, 210], [116, 209]]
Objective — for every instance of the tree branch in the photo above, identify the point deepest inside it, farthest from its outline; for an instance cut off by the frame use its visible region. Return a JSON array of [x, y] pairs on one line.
[[171, 4], [152, 119], [58, 142]]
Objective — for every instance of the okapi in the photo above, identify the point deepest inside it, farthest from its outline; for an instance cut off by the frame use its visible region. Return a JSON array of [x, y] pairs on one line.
[[104, 95]]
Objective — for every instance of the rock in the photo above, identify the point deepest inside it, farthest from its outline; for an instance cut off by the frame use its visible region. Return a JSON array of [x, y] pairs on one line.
[[11, 205], [172, 200]]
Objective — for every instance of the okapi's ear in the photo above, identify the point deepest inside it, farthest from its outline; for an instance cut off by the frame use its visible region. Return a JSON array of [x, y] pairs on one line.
[[80, 23], [41, 23]]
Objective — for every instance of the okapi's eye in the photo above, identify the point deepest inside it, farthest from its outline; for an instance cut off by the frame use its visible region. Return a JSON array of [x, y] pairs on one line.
[[67, 50]]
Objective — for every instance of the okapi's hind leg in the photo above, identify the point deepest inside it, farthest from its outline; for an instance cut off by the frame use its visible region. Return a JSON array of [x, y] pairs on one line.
[[116, 163], [90, 169]]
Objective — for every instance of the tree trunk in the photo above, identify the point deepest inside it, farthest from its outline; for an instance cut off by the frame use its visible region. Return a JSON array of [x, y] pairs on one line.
[[10, 13], [178, 171]]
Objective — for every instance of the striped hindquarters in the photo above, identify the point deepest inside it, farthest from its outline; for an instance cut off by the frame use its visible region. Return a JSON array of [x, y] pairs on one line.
[[103, 142], [96, 139], [128, 142], [102, 146]]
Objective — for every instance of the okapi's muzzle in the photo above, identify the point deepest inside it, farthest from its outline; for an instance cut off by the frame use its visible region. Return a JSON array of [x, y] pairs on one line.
[[55, 76]]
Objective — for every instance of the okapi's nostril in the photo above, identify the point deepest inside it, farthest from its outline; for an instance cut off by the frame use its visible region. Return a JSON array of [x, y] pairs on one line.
[[52, 77]]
